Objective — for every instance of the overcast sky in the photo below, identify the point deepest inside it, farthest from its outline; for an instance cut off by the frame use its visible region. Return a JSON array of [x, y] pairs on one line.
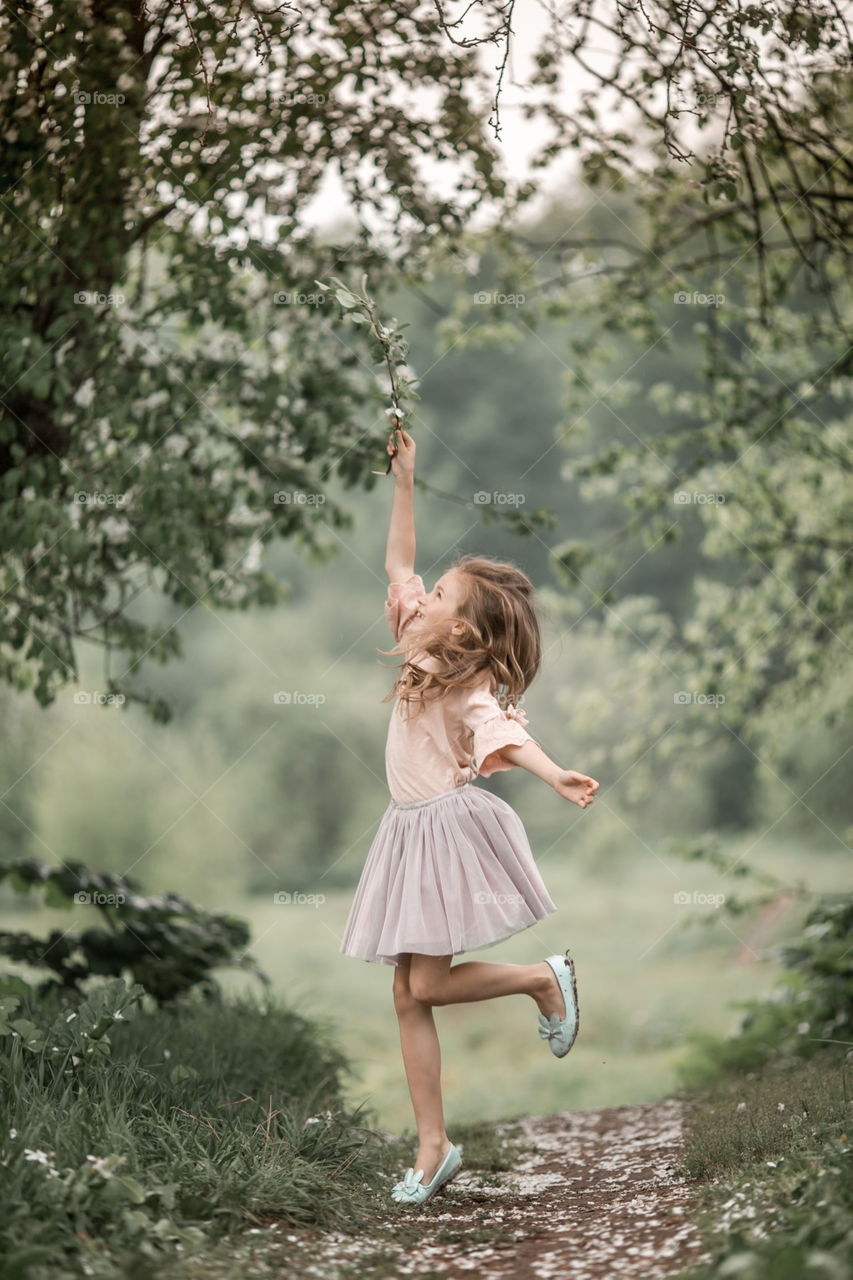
[[519, 139]]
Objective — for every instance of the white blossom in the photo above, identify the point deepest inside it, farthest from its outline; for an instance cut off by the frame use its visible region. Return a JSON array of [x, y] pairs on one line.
[[41, 1157], [85, 393]]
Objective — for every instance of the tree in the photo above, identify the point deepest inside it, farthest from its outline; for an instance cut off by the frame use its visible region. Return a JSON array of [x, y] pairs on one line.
[[210, 431], [731, 148], [176, 386]]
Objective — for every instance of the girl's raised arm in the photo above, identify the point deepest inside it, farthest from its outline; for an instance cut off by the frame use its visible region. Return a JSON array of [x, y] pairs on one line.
[[400, 551]]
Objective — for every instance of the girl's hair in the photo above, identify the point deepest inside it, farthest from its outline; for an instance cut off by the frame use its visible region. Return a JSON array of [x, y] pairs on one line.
[[501, 636]]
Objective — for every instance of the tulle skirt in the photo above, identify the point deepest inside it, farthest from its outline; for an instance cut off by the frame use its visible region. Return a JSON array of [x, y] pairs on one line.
[[445, 875]]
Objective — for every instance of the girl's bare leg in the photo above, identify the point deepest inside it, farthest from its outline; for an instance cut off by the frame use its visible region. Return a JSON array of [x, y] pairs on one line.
[[433, 981], [422, 1060], [423, 981]]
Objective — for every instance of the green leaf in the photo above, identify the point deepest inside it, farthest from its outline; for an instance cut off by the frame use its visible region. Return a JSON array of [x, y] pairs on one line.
[[55, 896], [181, 1072], [32, 1037]]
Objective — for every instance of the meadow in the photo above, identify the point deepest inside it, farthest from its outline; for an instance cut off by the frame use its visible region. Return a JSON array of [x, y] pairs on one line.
[[651, 973]]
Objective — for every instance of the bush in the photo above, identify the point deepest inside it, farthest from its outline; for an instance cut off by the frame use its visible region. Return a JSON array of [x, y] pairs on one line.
[[811, 1008], [131, 1130], [166, 944]]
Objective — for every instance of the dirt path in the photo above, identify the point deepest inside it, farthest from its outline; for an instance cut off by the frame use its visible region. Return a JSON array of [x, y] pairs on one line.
[[598, 1198]]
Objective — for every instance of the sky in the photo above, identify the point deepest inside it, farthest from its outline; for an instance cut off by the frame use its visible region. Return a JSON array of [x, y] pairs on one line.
[[520, 138]]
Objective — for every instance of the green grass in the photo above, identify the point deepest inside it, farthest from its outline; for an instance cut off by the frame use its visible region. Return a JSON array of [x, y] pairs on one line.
[[650, 975], [203, 1120], [764, 1116], [206, 1109], [774, 1148], [291, 1254]]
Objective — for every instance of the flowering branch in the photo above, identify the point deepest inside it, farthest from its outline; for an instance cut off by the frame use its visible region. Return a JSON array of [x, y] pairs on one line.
[[361, 309]]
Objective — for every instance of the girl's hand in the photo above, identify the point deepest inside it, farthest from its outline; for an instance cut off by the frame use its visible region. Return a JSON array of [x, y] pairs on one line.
[[402, 452], [576, 787]]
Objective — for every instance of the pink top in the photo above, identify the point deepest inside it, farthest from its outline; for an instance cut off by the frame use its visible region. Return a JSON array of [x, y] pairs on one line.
[[456, 737]]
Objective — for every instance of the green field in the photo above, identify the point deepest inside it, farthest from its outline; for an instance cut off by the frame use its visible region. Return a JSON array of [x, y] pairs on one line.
[[645, 978]]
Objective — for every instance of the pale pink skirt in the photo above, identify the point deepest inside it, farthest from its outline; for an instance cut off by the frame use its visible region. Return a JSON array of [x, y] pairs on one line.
[[443, 876]]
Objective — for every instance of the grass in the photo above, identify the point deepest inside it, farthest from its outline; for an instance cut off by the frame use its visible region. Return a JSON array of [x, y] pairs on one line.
[[774, 1149], [776, 1113], [252, 1109], [651, 973], [198, 1130], [202, 1120], [375, 1244]]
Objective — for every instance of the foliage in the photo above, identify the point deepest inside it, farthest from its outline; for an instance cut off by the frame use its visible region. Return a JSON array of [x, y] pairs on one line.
[[79, 1033], [167, 944], [715, 231], [822, 956], [185, 1129], [177, 392], [812, 1007], [360, 308], [168, 436]]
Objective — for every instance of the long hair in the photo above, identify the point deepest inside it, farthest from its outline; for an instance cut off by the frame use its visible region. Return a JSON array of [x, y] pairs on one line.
[[501, 636]]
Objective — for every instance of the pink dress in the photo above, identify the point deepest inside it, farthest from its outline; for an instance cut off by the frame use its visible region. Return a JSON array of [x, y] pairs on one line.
[[450, 868]]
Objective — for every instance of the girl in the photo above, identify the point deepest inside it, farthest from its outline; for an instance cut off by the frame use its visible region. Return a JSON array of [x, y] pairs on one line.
[[450, 868]]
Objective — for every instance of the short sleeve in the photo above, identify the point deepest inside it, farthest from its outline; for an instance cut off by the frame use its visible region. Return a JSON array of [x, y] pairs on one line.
[[401, 603], [493, 729]]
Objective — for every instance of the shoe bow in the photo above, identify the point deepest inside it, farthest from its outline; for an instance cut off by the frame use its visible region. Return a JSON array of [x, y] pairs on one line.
[[551, 1029], [408, 1188]]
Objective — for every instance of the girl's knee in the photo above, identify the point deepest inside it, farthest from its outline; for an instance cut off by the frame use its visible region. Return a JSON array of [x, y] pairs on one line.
[[427, 977], [403, 997]]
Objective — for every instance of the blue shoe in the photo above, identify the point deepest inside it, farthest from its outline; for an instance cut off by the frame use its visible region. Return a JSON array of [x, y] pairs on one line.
[[413, 1190], [561, 1032]]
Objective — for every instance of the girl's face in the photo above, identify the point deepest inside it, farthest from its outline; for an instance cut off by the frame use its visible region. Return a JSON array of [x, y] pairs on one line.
[[440, 604]]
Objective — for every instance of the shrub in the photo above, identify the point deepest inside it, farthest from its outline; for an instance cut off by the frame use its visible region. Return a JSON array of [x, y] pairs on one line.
[[166, 944]]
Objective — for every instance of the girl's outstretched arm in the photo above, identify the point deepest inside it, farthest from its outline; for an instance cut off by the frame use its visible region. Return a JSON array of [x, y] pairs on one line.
[[576, 787], [400, 551]]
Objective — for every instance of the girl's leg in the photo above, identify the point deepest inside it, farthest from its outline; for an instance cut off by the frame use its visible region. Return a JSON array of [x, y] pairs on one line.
[[423, 981], [433, 981], [422, 1060]]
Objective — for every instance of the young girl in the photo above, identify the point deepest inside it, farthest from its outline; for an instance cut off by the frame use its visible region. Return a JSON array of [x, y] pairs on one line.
[[450, 868]]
